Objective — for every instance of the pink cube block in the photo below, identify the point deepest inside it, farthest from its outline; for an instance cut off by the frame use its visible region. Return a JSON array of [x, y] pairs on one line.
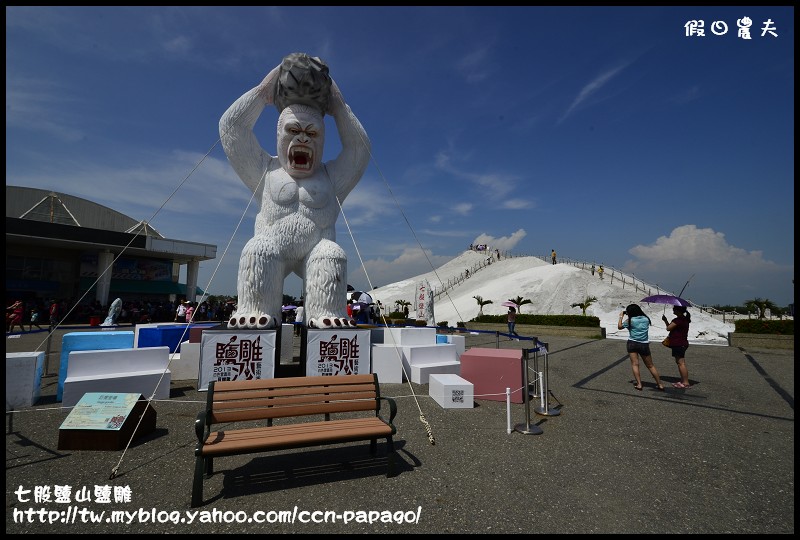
[[491, 371]]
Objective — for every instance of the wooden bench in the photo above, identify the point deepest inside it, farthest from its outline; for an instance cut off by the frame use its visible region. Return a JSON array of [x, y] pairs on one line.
[[285, 398]]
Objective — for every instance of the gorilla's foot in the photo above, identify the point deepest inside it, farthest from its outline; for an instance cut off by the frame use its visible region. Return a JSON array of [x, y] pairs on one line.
[[250, 322], [332, 322]]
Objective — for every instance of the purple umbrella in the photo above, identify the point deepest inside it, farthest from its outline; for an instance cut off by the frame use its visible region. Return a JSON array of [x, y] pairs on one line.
[[666, 299]]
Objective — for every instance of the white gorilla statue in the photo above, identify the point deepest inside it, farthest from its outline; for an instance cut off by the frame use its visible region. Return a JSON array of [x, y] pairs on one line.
[[300, 197]]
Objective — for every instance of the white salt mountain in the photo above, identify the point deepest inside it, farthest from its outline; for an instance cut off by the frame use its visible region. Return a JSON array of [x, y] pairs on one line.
[[552, 289]]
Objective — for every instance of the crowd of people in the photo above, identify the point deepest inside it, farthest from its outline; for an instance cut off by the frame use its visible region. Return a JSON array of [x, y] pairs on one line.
[[30, 313], [24, 315]]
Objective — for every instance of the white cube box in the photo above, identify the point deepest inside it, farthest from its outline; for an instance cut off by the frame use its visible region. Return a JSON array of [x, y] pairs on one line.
[[23, 379], [142, 370], [459, 341], [387, 363], [408, 336], [421, 373], [451, 391], [429, 354], [185, 365]]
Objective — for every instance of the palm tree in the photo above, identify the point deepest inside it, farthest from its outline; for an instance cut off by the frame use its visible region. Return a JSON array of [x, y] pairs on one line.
[[519, 301], [757, 304], [402, 304], [585, 304], [481, 303]]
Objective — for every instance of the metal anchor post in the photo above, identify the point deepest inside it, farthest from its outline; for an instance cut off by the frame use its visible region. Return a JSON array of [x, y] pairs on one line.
[[545, 409], [527, 428]]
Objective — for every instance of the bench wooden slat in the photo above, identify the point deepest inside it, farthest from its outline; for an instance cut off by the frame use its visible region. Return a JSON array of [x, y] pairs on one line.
[[243, 415], [293, 400], [233, 395], [294, 436], [293, 381]]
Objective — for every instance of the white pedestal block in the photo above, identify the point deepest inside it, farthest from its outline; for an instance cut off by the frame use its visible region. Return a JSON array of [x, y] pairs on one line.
[[459, 341], [451, 391], [422, 360], [23, 379], [117, 371], [185, 365], [421, 351], [429, 354], [89, 341], [410, 336], [387, 363], [421, 373]]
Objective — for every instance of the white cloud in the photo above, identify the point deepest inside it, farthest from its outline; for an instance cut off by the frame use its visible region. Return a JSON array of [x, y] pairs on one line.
[[517, 204], [587, 91], [463, 208], [410, 262], [39, 106], [702, 257], [687, 243], [493, 187], [504, 243], [473, 65], [367, 203]]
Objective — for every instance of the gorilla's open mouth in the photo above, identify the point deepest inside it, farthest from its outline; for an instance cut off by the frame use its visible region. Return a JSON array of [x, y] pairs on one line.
[[301, 157]]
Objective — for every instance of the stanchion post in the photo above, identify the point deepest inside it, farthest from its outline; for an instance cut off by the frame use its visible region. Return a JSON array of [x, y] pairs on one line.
[[508, 411], [48, 353], [535, 392], [527, 428], [545, 409]]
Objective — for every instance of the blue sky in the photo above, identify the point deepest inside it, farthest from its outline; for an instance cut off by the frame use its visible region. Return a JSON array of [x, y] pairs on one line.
[[604, 133]]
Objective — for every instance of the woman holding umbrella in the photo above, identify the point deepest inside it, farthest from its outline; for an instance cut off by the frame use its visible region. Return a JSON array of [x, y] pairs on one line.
[[638, 324], [679, 342], [512, 321]]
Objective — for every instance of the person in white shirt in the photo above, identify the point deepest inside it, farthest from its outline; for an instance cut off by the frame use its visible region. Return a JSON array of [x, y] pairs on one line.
[[298, 320]]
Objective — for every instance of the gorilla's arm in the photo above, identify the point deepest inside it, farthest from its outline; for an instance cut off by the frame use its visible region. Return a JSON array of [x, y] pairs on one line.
[[245, 154]]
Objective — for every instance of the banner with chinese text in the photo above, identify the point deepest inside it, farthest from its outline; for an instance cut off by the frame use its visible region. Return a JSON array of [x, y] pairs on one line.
[[424, 303], [231, 355], [338, 352]]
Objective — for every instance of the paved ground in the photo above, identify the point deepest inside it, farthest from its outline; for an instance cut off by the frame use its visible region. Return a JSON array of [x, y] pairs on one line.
[[717, 458]]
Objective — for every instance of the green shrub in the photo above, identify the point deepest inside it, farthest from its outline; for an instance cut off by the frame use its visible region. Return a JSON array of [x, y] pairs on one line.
[[544, 320], [761, 326], [442, 324]]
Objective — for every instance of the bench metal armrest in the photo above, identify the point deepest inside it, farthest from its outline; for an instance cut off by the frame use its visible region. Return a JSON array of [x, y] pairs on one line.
[[201, 426], [392, 407]]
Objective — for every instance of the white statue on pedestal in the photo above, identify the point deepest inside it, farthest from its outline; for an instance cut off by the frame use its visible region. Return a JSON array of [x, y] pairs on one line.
[[113, 313], [295, 227]]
